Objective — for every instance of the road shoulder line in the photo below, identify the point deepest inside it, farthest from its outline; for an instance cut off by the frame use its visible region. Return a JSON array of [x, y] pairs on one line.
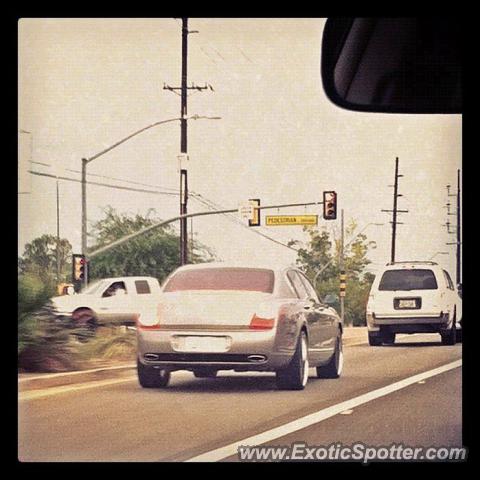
[[319, 416]]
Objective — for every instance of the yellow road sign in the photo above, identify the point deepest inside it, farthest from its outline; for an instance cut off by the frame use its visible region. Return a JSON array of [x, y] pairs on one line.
[[278, 220]]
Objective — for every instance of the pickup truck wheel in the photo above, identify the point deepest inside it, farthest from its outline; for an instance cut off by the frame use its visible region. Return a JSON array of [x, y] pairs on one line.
[[150, 377], [333, 368], [374, 340], [295, 375], [83, 316], [205, 373]]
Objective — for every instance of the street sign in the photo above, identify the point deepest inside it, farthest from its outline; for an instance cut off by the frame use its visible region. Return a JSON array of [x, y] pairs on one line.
[[246, 211], [280, 220], [255, 220]]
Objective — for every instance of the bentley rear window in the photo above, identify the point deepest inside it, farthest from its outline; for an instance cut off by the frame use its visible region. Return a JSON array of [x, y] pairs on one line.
[[243, 279]]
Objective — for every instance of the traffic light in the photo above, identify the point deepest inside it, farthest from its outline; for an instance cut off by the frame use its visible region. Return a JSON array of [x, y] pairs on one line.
[[329, 205], [256, 212], [79, 263], [343, 286]]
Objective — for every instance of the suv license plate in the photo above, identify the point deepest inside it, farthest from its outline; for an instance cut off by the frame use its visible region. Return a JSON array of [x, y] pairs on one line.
[[407, 304]]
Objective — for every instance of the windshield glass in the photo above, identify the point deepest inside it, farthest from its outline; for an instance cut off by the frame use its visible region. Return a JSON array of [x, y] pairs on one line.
[[243, 279], [408, 280], [94, 288]]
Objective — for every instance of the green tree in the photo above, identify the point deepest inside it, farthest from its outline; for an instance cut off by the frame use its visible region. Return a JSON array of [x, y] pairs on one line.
[[40, 259], [154, 254], [323, 251]]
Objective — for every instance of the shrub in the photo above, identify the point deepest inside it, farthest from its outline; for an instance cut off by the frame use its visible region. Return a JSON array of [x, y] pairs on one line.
[[44, 343]]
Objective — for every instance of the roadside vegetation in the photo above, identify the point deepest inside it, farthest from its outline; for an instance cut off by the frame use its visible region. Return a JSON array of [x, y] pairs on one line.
[[323, 250], [50, 344]]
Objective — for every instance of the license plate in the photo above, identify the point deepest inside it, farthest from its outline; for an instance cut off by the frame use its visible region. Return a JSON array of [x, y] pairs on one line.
[[204, 344], [407, 304]]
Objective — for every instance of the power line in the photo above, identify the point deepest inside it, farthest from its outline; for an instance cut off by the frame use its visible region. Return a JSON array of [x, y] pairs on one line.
[[211, 205], [118, 187], [112, 178], [195, 196]]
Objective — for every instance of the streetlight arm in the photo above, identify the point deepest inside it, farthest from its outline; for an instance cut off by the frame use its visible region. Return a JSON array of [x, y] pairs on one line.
[[193, 117]]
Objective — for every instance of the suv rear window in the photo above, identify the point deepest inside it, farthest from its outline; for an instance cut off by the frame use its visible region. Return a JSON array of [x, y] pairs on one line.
[[243, 279], [408, 280]]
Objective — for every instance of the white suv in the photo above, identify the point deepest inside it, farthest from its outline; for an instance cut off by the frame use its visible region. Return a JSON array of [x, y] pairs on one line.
[[413, 297]]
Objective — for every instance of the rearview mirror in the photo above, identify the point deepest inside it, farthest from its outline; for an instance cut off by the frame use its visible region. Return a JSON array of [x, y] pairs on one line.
[[393, 65]]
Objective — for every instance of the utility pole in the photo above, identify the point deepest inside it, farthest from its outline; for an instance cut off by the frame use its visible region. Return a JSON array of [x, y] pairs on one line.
[[183, 139], [191, 236], [183, 146], [395, 211], [86, 161], [459, 252], [58, 235], [342, 271], [84, 212], [457, 230]]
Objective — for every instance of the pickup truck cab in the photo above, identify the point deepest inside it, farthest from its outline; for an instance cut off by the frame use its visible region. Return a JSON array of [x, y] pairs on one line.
[[109, 301]]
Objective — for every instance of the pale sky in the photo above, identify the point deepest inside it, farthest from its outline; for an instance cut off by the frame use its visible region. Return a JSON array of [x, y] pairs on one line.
[[86, 83]]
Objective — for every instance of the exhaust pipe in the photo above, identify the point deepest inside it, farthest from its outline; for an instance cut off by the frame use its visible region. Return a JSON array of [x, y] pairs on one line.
[[150, 356], [256, 358]]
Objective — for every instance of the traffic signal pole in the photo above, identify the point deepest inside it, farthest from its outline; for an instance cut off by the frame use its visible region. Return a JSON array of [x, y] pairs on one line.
[[145, 230], [342, 271]]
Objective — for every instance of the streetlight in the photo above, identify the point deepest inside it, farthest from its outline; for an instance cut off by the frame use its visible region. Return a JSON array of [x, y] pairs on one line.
[[348, 244], [438, 253], [86, 161]]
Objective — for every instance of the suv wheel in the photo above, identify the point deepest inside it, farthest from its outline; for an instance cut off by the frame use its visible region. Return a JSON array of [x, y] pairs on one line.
[[205, 373], [333, 368], [295, 376], [374, 340], [388, 338], [150, 377], [459, 335], [449, 337]]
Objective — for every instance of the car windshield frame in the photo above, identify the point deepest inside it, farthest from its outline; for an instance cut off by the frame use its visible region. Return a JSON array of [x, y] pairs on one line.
[[399, 285], [221, 279]]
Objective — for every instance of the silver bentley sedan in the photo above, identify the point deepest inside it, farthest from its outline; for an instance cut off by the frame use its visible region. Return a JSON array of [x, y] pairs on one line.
[[218, 316]]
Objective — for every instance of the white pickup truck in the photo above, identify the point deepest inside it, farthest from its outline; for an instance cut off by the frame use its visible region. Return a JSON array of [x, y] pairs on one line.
[[109, 301]]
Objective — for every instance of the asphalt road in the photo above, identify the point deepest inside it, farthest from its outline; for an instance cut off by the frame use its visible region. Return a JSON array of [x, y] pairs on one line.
[[198, 418]]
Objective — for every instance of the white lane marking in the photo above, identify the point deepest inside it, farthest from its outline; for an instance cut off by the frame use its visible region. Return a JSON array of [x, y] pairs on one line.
[[49, 391], [346, 412], [316, 417], [404, 335], [34, 394], [77, 372]]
